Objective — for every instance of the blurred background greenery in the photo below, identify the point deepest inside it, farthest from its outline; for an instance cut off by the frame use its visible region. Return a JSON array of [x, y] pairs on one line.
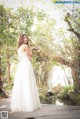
[[55, 40]]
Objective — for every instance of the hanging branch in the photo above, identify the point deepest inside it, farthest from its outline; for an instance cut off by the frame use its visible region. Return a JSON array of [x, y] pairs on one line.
[[70, 26], [56, 58]]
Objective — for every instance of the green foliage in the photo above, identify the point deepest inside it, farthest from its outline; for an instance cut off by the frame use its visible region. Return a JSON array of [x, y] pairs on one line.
[[64, 92], [8, 88], [17, 22], [11, 25], [45, 96], [22, 21], [69, 97], [41, 15], [54, 1]]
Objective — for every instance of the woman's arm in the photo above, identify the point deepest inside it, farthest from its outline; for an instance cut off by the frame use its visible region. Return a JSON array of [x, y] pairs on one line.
[[28, 51]]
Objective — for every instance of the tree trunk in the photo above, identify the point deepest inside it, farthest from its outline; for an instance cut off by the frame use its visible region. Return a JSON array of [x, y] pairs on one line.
[[0, 70], [3, 93], [75, 66], [76, 81], [8, 65], [76, 69], [8, 72]]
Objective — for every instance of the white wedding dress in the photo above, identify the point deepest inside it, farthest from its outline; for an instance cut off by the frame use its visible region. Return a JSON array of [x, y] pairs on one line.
[[25, 95]]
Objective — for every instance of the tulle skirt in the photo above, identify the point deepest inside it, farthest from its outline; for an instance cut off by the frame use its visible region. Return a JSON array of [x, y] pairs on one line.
[[25, 95]]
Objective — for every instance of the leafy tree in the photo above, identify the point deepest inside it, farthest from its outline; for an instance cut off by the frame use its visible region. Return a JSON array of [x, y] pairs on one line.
[[73, 23]]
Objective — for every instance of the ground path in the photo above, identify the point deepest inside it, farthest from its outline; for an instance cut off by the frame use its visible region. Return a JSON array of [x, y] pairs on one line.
[[47, 111]]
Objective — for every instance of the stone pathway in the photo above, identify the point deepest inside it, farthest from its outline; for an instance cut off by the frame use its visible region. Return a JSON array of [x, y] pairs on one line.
[[47, 111]]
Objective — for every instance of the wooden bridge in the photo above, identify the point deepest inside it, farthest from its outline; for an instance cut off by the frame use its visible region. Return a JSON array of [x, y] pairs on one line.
[[48, 111]]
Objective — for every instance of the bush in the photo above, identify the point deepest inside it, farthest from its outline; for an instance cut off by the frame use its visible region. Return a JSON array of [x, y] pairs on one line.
[[65, 91]]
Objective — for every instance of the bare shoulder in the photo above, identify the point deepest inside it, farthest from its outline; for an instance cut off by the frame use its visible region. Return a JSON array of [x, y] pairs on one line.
[[24, 46]]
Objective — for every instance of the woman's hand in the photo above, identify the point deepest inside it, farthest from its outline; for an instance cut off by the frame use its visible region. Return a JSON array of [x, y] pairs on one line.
[[28, 51]]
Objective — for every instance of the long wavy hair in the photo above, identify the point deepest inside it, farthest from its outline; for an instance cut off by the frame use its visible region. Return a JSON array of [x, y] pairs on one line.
[[21, 39]]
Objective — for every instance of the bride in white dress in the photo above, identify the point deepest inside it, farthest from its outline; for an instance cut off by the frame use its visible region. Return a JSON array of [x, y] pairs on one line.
[[25, 95]]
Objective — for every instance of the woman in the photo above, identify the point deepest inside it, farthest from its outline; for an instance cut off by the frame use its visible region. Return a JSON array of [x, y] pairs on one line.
[[25, 93]]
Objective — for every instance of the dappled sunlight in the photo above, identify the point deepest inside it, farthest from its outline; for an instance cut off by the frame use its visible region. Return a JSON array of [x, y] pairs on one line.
[[60, 76], [59, 103]]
